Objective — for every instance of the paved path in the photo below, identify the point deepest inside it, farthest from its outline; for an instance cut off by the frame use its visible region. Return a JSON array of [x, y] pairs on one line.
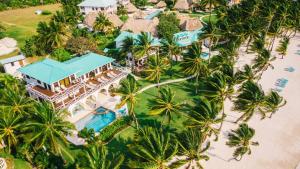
[[164, 83]]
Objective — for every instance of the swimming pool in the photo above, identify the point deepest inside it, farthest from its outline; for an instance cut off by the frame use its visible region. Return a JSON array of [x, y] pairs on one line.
[[96, 121]]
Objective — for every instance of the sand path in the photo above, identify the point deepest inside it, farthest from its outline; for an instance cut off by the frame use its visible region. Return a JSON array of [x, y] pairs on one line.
[[279, 137]]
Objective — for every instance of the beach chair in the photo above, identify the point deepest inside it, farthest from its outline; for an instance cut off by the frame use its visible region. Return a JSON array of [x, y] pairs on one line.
[[63, 87], [57, 89]]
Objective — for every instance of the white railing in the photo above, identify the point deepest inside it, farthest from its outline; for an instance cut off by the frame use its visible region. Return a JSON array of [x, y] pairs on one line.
[[92, 90]]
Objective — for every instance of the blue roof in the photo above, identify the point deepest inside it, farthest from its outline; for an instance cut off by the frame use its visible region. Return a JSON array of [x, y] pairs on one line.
[[125, 34], [98, 3], [153, 14], [50, 71], [186, 38], [12, 59]]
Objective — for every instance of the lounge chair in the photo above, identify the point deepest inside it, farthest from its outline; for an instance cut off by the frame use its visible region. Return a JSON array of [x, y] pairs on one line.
[[63, 87], [57, 89]]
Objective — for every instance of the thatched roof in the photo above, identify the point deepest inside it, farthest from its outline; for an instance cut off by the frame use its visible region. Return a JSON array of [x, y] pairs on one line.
[[90, 19], [131, 8], [161, 4], [140, 25], [153, 1], [182, 5], [191, 24], [140, 15]]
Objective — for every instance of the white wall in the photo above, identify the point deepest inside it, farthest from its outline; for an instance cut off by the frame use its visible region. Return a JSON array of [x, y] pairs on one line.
[[13, 69], [86, 10]]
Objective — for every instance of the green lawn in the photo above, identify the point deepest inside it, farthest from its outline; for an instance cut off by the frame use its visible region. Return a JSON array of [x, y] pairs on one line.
[[21, 24], [184, 93]]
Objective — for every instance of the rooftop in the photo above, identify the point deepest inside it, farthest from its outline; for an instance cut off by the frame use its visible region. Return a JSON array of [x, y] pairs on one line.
[[12, 59], [50, 71], [98, 3]]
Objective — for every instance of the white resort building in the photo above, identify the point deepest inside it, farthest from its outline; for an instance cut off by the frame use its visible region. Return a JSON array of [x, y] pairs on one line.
[[80, 85], [105, 6]]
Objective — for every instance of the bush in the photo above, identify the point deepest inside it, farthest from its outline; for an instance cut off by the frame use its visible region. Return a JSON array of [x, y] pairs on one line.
[[61, 55], [168, 26], [110, 131], [46, 12]]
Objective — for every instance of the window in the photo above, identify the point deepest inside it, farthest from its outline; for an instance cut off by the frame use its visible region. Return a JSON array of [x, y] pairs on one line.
[[12, 64], [39, 82], [27, 77]]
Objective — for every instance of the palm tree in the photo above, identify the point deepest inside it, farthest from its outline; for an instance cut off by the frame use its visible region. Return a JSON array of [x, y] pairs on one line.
[[48, 129], [102, 24], [7, 80], [164, 104], [14, 100], [193, 64], [213, 33], [96, 157], [127, 91], [170, 50], [143, 44], [191, 145], [247, 74], [283, 46], [251, 100], [153, 148], [274, 101], [128, 49], [10, 126], [205, 118], [241, 139], [263, 61], [217, 88], [57, 35], [211, 4], [155, 69]]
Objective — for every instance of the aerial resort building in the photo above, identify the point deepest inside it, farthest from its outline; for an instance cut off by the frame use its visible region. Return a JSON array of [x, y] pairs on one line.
[[80, 85], [105, 6]]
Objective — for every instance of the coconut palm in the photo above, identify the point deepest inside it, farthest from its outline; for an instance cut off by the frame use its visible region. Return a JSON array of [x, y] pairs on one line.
[[170, 50], [143, 44], [58, 35], [156, 67], [241, 139], [191, 145], [263, 61], [212, 4], [14, 100], [10, 126], [205, 117], [165, 105], [283, 46], [274, 101], [213, 34], [96, 157], [247, 74], [7, 80], [102, 24], [127, 91], [153, 148], [48, 129], [251, 100], [217, 88], [193, 64], [127, 48]]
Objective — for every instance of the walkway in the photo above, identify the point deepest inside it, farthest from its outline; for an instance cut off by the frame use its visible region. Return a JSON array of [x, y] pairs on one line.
[[164, 83]]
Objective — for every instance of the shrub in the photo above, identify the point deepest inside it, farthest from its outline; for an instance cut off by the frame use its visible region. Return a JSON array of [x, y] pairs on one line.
[[110, 131], [61, 55], [46, 12]]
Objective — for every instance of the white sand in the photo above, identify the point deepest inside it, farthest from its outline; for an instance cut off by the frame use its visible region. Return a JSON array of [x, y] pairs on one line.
[[279, 137]]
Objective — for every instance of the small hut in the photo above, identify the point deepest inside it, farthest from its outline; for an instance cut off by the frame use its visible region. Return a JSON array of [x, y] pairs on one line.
[[161, 4]]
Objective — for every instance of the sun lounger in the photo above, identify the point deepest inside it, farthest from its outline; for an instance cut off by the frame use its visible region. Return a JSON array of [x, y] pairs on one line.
[[57, 89], [63, 87]]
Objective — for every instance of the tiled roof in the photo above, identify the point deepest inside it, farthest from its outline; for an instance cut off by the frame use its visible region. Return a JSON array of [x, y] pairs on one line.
[[50, 71]]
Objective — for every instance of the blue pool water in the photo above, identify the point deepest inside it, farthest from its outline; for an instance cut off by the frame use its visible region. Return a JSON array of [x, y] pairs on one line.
[[205, 55], [96, 121]]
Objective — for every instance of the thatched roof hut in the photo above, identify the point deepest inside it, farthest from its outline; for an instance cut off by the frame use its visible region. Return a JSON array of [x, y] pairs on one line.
[[131, 8], [90, 19], [161, 4], [182, 5]]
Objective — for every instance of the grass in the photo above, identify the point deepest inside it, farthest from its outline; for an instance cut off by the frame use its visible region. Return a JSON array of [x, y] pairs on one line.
[[214, 19], [183, 93], [21, 24], [17, 163]]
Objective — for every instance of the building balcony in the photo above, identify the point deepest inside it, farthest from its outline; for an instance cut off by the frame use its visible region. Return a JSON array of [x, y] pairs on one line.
[[75, 92]]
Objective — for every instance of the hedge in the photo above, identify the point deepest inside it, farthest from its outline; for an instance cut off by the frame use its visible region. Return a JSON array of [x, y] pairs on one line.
[[107, 133]]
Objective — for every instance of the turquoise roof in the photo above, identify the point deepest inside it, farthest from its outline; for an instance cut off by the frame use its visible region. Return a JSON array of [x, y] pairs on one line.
[[12, 59], [186, 38], [125, 34], [153, 14], [98, 3], [50, 71]]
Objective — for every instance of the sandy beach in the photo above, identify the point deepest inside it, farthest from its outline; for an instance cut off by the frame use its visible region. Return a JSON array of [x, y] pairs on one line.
[[278, 137]]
